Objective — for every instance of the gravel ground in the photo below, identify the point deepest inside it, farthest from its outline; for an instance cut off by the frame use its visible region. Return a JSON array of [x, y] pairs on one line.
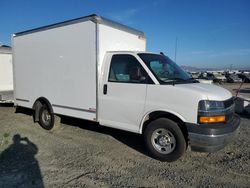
[[233, 87], [83, 154]]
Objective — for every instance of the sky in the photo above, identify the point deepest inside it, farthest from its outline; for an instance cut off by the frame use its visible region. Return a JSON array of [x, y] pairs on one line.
[[202, 33]]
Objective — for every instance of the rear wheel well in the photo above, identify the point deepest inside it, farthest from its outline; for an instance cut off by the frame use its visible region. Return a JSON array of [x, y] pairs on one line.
[[161, 114], [41, 101]]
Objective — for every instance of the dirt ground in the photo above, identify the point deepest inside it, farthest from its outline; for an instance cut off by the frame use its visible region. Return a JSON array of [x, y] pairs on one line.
[[244, 89], [83, 154]]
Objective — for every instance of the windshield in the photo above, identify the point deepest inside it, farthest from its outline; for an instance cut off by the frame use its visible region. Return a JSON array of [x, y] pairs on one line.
[[164, 69]]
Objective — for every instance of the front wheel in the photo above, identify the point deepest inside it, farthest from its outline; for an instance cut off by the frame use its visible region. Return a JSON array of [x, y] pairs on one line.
[[46, 118], [165, 140]]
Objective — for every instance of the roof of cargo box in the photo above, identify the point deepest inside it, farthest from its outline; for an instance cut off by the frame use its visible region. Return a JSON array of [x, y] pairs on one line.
[[4, 49], [93, 17]]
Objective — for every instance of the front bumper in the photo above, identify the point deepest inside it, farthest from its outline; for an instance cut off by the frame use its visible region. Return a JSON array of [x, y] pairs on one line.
[[212, 137]]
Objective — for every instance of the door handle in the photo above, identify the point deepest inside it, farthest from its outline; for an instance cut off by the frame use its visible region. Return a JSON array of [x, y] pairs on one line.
[[105, 89]]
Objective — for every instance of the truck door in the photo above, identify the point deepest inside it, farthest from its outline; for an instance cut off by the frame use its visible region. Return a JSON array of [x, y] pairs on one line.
[[123, 93]]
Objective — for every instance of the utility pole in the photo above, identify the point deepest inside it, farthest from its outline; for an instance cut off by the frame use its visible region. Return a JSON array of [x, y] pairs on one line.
[[231, 67], [176, 39]]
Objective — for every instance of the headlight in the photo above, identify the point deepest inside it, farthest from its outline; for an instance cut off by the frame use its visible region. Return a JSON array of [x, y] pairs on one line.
[[211, 112], [206, 105]]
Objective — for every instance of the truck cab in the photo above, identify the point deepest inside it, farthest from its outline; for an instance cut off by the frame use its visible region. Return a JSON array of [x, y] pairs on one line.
[[149, 94]]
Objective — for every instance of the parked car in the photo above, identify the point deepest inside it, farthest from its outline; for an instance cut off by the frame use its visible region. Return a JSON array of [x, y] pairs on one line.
[[206, 76], [195, 75], [219, 77], [233, 78], [245, 77]]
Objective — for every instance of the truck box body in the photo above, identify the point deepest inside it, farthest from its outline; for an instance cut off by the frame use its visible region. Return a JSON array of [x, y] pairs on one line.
[[6, 74], [61, 62]]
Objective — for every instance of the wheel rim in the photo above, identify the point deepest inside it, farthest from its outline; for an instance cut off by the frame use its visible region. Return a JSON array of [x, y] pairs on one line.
[[163, 141], [46, 117]]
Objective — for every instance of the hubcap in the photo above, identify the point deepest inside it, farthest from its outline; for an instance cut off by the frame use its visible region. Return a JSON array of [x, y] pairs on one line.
[[163, 141], [46, 117]]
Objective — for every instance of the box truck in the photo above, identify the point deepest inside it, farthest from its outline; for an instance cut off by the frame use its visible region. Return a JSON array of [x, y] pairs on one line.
[[6, 74], [96, 69]]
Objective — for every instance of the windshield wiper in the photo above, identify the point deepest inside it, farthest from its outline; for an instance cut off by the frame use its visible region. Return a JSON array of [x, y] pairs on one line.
[[174, 81], [189, 80]]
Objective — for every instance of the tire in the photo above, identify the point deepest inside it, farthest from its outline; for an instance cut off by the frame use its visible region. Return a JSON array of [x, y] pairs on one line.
[[165, 140], [46, 118]]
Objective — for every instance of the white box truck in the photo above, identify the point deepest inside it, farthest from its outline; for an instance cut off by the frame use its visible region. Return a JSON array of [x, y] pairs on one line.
[[6, 74], [96, 69]]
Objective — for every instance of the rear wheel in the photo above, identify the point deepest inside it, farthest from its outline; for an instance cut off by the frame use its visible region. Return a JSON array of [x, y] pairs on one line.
[[165, 140], [46, 118]]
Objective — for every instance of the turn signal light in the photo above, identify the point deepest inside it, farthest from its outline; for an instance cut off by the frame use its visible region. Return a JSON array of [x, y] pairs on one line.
[[212, 119]]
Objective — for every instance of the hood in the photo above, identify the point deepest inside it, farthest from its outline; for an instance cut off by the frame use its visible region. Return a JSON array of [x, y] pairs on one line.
[[209, 91]]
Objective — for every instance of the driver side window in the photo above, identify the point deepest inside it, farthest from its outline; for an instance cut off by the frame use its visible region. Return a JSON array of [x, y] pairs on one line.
[[126, 69]]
